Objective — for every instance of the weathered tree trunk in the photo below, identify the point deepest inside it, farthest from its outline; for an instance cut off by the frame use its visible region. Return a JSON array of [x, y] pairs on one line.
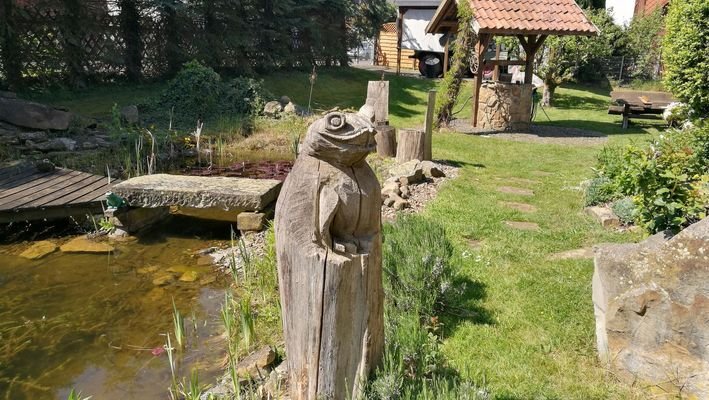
[[72, 30], [548, 96], [386, 141], [130, 25], [328, 246], [10, 44], [171, 33], [411, 146]]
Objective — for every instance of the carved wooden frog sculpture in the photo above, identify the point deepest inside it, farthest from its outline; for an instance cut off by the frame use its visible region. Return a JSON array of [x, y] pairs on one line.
[[328, 244]]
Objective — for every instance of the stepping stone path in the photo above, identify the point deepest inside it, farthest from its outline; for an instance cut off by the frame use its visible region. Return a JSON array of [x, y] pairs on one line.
[[523, 207], [542, 173], [523, 226], [474, 244], [515, 190], [519, 181], [577, 254]]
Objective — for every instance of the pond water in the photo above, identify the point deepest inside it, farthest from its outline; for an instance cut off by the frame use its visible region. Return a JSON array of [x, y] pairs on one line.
[[97, 323]]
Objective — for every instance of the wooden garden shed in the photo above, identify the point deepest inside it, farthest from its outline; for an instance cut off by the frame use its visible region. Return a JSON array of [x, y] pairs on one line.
[[531, 21]]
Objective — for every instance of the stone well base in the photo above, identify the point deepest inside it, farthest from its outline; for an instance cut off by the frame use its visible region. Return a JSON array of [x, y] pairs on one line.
[[505, 106]]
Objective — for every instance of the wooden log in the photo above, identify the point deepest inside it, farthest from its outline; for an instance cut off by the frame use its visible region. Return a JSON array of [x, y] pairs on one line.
[[328, 248], [427, 151], [411, 145], [386, 141]]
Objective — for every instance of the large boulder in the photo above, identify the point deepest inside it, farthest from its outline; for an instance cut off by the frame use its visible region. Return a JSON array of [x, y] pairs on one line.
[[33, 115], [651, 303]]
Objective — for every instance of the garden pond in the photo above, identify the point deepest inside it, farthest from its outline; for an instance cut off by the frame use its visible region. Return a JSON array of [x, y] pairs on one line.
[[99, 322]]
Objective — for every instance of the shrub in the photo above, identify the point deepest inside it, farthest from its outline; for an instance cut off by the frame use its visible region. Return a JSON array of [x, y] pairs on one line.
[[194, 93], [417, 265], [600, 190], [685, 55], [666, 181], [676, 114], [418, 283], [625, 210], [199, 93]]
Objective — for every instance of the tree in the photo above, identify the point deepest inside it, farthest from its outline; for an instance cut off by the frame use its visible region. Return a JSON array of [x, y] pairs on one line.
[[686, 55], [592, 4], [642, 44], [563, 56], [130, 27]]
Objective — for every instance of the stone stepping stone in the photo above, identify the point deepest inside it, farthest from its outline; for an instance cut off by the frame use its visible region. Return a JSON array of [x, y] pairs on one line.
[[542, 173], [523, 226], [523, 207], [515, 190], [473, 243], [576, 254], [519, 181]]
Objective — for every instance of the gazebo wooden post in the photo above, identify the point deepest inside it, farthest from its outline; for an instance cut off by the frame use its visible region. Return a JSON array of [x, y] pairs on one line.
[[531, 44], [480, 47], [399, 35], [446, 55]]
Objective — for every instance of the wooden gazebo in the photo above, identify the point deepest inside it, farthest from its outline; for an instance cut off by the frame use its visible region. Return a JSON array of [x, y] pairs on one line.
[[529, 20]]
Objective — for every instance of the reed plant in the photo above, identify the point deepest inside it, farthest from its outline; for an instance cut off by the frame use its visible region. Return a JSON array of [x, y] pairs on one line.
[[246, 317], [179, 324]]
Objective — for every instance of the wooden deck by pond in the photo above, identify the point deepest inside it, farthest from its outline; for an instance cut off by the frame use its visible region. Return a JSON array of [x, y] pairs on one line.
[[28, 194]]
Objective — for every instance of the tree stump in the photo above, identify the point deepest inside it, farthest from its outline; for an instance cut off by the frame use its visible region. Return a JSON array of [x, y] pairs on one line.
[[328, 247], [411, 146], [386, 141]]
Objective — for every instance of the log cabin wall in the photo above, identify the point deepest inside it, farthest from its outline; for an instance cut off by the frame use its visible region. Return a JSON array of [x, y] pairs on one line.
[[386, 49]]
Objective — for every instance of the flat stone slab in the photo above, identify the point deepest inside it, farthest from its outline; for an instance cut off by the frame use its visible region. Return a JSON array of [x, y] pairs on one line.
[[163, 190], [518, 181], [523, 207], [515, 190], [604, 216], [82, 244], [576, 254], [523, 226], [39, 250]]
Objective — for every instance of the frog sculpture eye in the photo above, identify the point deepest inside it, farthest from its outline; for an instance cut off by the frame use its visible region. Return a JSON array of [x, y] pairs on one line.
[[335, 121]]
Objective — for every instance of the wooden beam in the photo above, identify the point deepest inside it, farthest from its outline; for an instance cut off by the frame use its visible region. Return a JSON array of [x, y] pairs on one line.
[[399, 34], [531, 44], [480, 48], [446, 56], [496, 73]]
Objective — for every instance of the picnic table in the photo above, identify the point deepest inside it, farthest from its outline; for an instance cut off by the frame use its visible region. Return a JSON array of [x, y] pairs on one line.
[[638, 104]]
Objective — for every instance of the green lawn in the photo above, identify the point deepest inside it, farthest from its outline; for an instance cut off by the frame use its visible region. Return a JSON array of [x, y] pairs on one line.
[[533, 336]]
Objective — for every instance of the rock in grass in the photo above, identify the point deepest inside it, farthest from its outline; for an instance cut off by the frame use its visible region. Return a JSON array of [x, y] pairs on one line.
[[651, 303], [82, 244], [255, 364], [39, 250]]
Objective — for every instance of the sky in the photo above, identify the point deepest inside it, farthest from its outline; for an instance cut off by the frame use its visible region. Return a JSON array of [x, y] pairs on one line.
[[622, 10]]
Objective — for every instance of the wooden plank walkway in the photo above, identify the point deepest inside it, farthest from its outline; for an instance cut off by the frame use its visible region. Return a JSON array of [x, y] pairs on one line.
[[27, 194]]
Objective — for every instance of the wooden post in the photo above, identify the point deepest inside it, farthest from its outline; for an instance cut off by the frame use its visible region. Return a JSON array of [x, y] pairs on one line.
[[386, 141], [399, 34], [411, 146], [496, 73], [480, 48], [531, 44], [378, 99], [446, 56], [427, 153], [329, 258]]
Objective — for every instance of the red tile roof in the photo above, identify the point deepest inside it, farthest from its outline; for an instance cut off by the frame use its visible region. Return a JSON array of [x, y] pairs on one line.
[[547, 17]]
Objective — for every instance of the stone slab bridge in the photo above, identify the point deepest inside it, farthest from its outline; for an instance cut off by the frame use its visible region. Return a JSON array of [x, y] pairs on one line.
[[246, 202]]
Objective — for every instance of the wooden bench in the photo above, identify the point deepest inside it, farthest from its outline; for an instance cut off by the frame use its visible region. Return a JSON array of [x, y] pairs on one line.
[[638, 104]]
